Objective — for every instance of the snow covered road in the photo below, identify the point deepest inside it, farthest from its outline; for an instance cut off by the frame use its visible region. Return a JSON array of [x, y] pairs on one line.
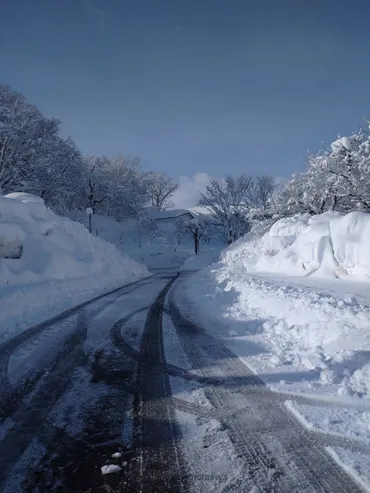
[[128, 381]]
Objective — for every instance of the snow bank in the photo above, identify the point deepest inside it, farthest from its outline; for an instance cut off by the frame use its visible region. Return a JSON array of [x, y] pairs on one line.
[[325, 332], [287, 300], [45, 259], [203, 259], [325, 245]]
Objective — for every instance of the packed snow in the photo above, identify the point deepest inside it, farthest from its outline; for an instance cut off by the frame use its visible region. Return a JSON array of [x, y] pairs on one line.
[[116, 455], [292, 299], [110, 469], [49, 263]]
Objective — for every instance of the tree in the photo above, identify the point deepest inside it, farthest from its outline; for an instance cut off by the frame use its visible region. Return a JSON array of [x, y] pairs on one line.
[[335, 179], [262, 191], [97, 181], [228, 201], [115, 185], [128, 195], [192, 227], [59, 177], [148, 226], [26, 138], [160, 188], [33, 157]]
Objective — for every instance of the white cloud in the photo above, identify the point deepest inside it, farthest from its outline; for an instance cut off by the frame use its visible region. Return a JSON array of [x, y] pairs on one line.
[[190, 189]]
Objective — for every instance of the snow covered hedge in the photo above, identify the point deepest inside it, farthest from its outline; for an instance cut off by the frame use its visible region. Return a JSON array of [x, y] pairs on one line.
[[331, 244]]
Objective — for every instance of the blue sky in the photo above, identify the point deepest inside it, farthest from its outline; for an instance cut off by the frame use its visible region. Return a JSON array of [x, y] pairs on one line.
[[193, 86]]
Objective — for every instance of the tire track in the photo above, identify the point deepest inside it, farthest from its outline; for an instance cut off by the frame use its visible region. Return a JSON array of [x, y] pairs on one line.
[[10, 396], [119, 343], [29, 419], [157, 436], [280, 455]]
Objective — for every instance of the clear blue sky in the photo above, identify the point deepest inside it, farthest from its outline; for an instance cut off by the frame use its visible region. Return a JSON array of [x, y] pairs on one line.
[[218, 86]]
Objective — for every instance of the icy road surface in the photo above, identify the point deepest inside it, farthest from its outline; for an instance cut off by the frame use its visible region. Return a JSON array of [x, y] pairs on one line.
[[129, 382]]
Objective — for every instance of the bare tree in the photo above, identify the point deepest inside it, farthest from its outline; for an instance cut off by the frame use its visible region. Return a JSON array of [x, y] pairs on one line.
[[262, 191], [160, 188], [194, 227], [229, 201]]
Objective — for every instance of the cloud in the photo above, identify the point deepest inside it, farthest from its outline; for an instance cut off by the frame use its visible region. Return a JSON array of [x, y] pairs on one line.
[[190, 189]]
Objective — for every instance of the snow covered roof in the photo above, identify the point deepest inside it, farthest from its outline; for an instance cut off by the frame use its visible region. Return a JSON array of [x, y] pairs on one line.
[[171, 214], [199, 209]]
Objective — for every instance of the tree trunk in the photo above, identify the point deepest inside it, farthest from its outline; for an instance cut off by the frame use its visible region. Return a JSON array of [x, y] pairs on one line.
[[196, 244]]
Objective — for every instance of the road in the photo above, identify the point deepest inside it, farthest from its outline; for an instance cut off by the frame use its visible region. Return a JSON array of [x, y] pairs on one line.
[[129, 373]]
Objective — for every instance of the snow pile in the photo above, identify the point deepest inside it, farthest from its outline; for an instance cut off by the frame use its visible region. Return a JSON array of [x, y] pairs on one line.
[[299, 333], [110, 469], [325, 245], [311, 324], [203, 259], [305, 329], [49, 260], [54, 247]]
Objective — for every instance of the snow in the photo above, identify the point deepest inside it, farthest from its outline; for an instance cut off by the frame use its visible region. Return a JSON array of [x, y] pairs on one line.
[[343, 143], [331, 245], [162, 252], [50, 263], [350, 423], [157, 256], [116, 455], [25, 197], [292, 300], [110, 469], [354, 463], [197, 262]]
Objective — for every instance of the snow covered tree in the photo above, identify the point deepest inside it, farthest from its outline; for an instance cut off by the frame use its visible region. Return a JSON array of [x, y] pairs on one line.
[[262, 191], [26, 137], [228, 201], [192, 227], [128, 195], [147, 228], [335, 179], [199, 228], [59, 177], [115, 185], [160, 189], [33, 157], [97, 180]]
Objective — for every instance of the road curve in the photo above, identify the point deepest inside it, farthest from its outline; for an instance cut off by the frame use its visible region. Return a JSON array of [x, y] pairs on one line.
[[106, 388]]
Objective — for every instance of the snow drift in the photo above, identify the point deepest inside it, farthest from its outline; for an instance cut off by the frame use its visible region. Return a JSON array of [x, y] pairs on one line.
[[47, 260]]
